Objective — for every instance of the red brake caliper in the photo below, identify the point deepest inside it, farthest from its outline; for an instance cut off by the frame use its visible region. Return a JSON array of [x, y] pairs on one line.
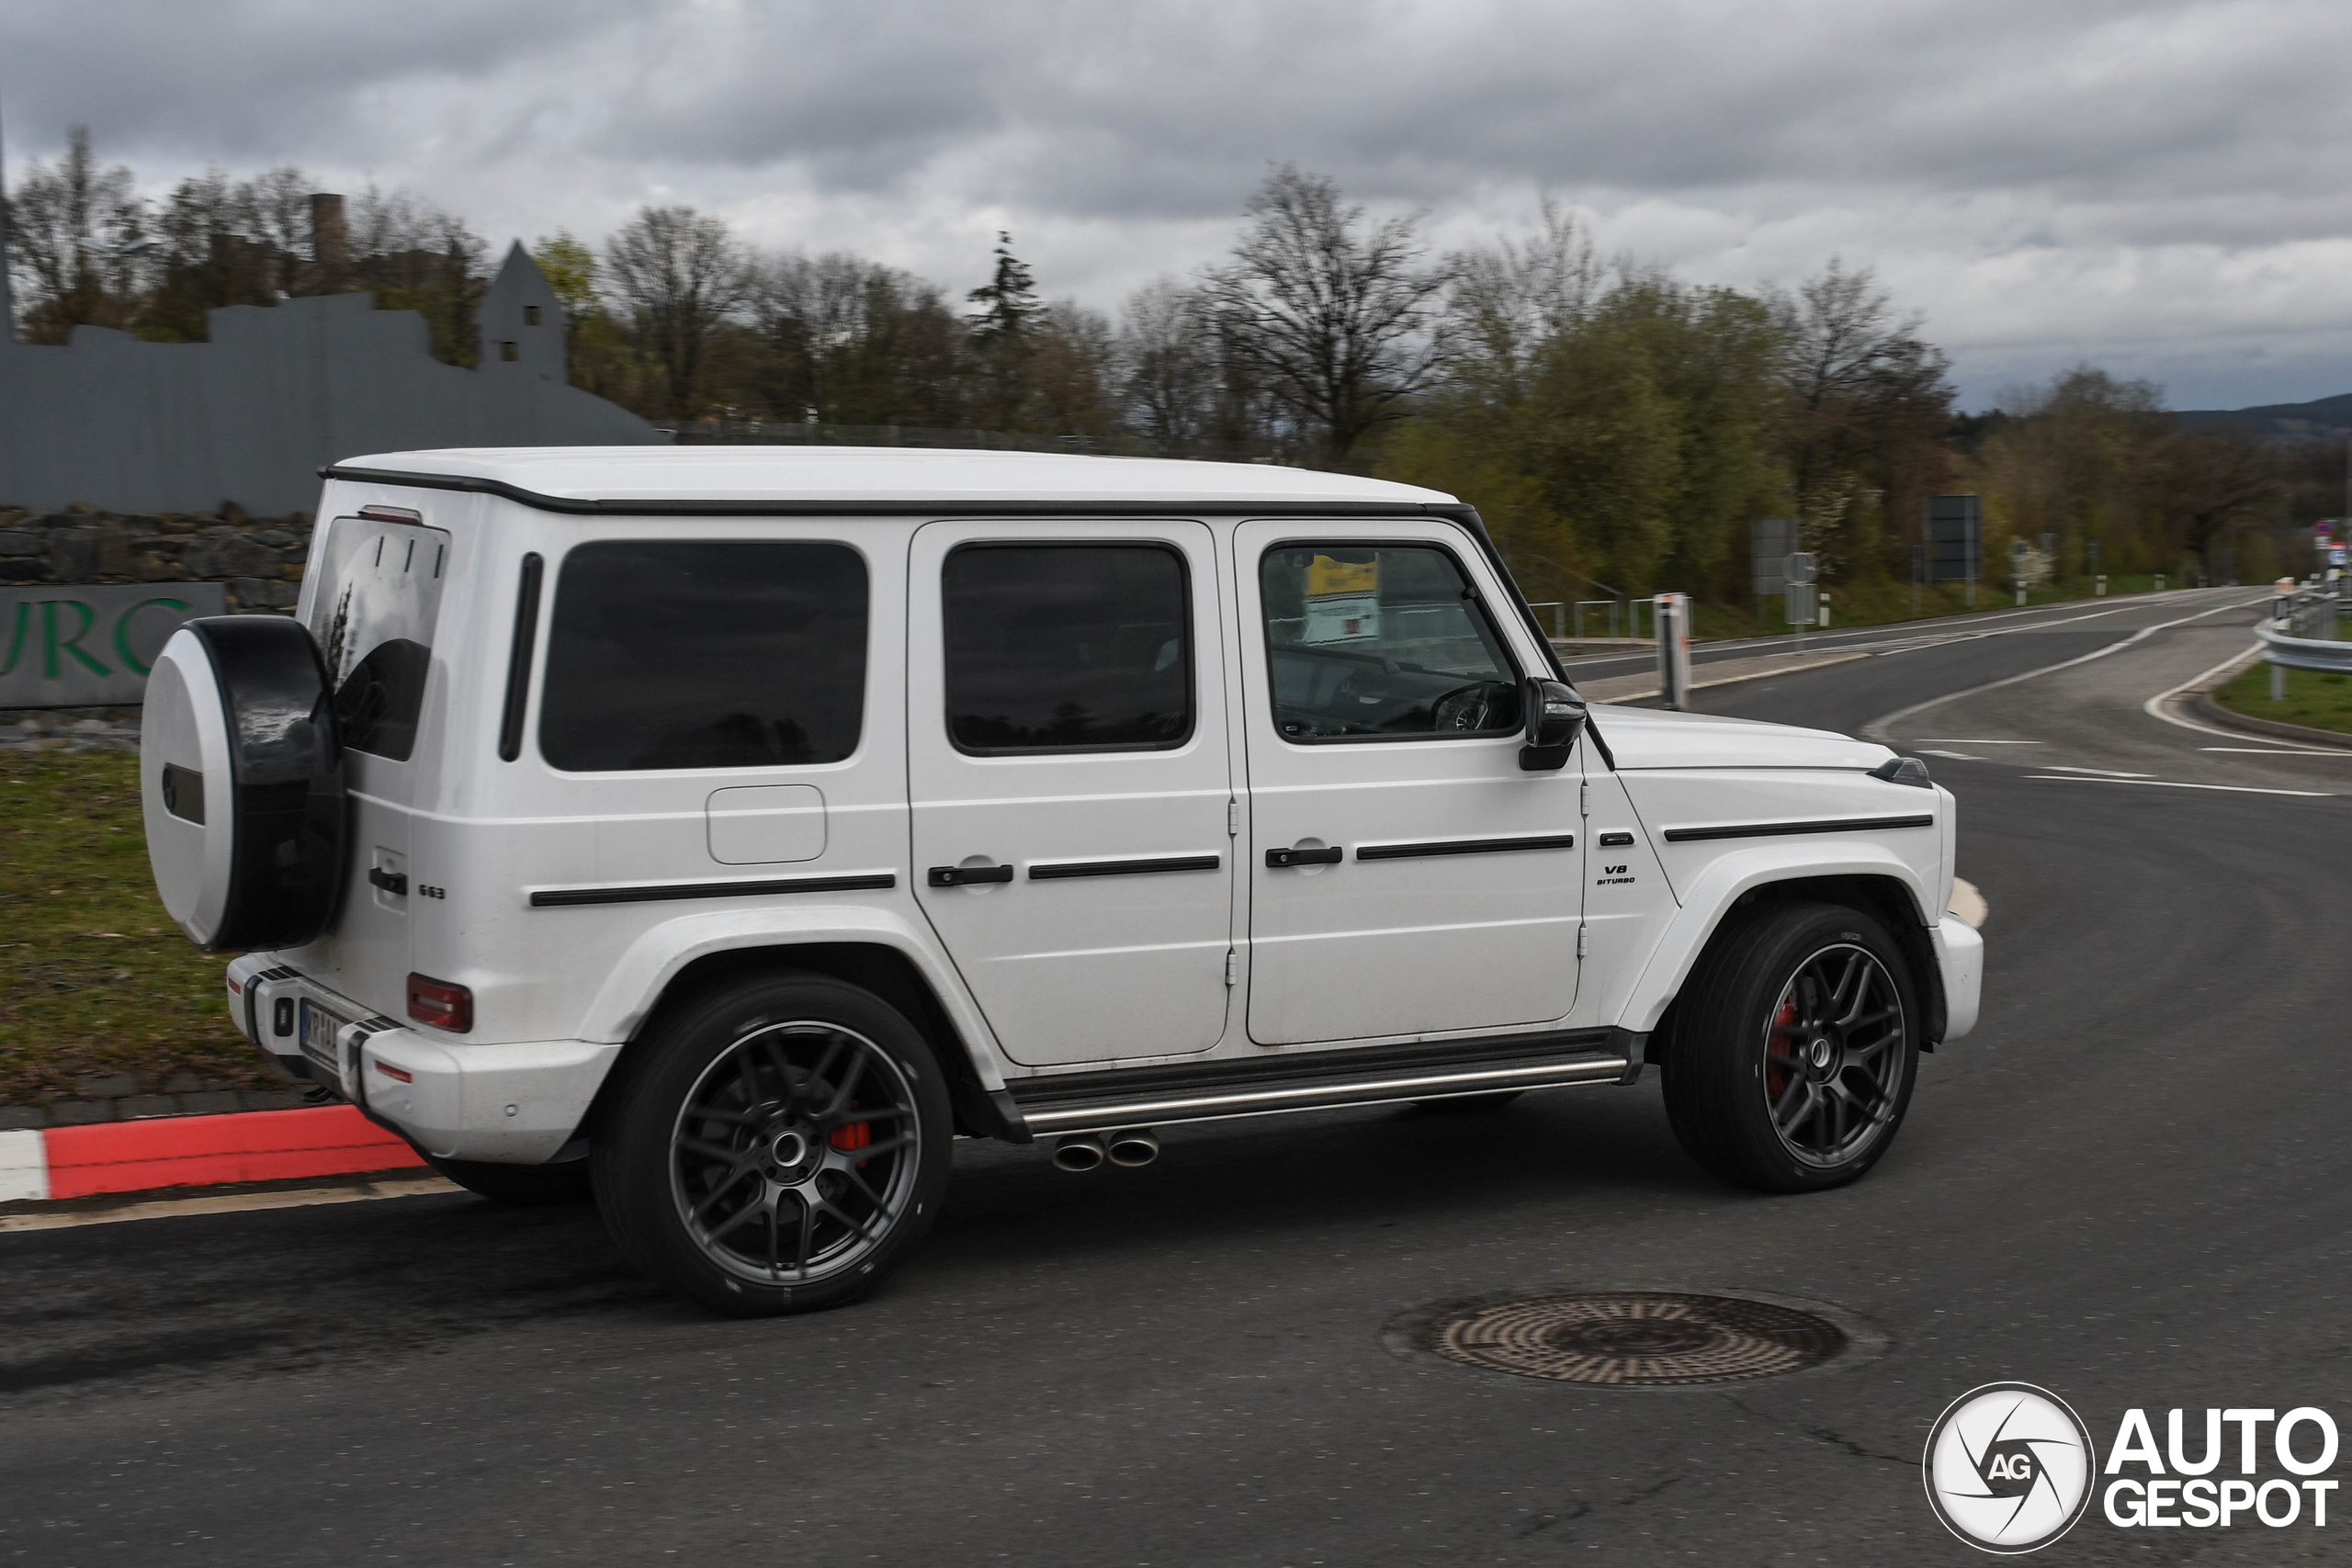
[[852, 1135]]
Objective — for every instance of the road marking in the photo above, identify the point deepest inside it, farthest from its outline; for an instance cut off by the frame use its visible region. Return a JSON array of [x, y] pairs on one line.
[[1956, 756], [2173, 784], [2274, 752], [1954, 740], [2109, 772], [228, 1203], [1878, 728]]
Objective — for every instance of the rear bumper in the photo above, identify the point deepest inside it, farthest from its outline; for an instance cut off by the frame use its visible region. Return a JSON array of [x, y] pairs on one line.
[[514, 1103], [1960, 958]]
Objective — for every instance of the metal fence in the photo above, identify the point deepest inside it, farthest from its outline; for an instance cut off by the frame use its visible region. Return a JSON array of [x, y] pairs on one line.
[[2305, 632]]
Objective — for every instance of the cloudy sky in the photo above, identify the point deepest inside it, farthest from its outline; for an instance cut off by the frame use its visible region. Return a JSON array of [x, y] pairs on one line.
[[2160, 188]]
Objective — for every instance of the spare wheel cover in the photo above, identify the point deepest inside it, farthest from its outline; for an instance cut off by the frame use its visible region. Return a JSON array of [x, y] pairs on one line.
[[240, 779]]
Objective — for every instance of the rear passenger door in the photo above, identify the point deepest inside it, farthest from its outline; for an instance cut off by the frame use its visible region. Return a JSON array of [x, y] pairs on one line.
[[1069, 781]]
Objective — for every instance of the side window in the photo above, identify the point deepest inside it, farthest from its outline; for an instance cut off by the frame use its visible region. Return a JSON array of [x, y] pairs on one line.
[[704, 654], [1067, 648], [1383, 642]]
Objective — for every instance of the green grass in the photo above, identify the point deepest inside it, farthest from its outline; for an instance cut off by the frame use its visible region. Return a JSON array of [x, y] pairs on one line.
[[2323, 702], [94, 977]]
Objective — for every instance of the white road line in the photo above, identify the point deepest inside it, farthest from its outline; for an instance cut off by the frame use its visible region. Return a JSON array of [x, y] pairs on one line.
[[2173, 784], [1955, 741], [2106, 772], [2274, 752], [1877, 729], [228, 1203], [2154, 707], [1955, 756]]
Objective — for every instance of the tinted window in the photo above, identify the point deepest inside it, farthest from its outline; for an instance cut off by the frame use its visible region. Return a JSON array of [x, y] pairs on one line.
[[1384, 642], [1067, 648], [705, 655], [373, 617]]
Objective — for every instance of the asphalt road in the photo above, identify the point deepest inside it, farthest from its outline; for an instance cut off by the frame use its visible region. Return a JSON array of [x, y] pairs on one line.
[[2131, 1185]]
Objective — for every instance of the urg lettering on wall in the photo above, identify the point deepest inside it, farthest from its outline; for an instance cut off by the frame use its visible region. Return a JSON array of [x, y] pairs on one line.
[[73, 647]]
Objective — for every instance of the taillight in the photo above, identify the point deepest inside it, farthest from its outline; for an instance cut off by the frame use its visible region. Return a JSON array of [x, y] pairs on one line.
[[440, 1004]]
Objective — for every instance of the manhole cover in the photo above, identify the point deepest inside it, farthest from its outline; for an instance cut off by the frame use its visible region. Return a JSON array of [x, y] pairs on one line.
[[1633, 1338]]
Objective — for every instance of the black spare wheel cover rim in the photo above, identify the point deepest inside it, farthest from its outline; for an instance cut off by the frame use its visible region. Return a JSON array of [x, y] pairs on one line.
[[285, 795]]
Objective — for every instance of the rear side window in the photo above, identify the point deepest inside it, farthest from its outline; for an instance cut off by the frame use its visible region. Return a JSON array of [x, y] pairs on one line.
[[1067, 648], [704, 654], [373, 620]]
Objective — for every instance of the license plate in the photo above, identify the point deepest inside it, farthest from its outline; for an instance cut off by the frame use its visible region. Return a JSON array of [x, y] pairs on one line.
[[320, 1028]]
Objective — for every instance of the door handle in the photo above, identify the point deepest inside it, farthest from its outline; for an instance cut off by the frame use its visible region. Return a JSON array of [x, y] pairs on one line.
[[966, 875], [390, 881], [1328, 856]]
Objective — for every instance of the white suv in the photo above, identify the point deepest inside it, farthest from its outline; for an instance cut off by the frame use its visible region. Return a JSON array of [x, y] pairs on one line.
[[735, 826]]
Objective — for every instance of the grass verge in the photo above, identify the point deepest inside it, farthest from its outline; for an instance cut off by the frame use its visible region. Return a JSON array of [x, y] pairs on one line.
[[94, 977], [2321, 701]]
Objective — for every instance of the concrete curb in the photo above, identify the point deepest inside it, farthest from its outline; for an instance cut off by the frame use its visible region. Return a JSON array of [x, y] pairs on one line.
[[195, 1151], [2203, 705]]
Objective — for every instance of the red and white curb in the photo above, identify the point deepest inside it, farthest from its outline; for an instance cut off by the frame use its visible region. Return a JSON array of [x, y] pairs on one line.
[[195, 1151]]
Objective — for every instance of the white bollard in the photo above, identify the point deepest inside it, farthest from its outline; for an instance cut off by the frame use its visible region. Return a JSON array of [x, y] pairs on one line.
[[1670, 620]]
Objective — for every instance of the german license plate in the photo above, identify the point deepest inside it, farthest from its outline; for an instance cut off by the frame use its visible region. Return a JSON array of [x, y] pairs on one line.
[[320, 1028]]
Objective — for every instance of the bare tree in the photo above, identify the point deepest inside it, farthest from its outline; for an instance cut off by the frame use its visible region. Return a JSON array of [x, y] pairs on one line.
[[1513, 298], [682, 274], [2211, 479], [77, 238], [1333, 312], [1168, 361]]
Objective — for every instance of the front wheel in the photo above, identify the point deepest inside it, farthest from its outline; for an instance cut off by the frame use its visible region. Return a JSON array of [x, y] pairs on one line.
[[779, 1147], [1794, 1050]]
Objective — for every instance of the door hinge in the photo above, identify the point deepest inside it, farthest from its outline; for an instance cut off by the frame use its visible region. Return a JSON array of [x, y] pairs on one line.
[[1232, 818], [1581, 936], [1584, 797], [1232, 963]]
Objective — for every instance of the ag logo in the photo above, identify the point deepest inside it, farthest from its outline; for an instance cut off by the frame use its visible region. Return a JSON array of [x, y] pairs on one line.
[[2009, 1468]]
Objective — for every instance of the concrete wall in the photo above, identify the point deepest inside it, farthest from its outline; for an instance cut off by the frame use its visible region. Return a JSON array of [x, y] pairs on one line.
[[249, 418]]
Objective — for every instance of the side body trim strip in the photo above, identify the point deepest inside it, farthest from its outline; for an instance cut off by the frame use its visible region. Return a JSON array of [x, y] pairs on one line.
[[518, 659], [1466, 847], [1771, 829], [656, 892], [1053, 871]]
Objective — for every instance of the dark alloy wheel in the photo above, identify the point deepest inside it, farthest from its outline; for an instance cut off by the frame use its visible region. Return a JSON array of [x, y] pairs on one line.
[[1794, 1049], [778, 1149]]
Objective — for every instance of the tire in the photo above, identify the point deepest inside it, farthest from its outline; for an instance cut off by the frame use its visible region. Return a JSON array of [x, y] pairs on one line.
[[521, 1186], [778, 1145], [241, 781], [1796, 1048]]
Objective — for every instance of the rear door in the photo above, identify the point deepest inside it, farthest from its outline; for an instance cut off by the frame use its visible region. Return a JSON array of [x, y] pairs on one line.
[[1407, 876], [1069, 781]]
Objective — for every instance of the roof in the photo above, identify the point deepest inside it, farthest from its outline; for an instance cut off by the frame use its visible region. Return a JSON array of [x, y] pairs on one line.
[[620, 478]]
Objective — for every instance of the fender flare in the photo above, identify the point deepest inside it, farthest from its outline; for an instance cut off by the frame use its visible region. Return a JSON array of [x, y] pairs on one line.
[[1740, 872], [643, 974]]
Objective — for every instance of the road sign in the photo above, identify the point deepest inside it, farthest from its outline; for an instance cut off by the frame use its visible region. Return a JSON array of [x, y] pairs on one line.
[[1799, 568], [1955, 546], [1800, 599], [1770, 541]]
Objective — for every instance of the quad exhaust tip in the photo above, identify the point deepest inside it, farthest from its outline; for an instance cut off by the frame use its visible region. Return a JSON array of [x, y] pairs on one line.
[[1086, 1151]]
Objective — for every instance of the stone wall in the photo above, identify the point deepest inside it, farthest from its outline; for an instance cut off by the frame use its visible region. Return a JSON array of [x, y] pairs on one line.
[[258, 560]]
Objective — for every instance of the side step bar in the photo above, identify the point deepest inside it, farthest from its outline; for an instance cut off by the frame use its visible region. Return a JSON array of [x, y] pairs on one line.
[[1312, 1084]]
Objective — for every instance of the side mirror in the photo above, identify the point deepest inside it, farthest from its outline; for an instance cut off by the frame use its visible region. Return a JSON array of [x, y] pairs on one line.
[[1556, 717]]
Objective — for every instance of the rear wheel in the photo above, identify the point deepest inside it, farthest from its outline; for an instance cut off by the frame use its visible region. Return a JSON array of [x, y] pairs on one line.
[[1794, 1050], [779, 1147]]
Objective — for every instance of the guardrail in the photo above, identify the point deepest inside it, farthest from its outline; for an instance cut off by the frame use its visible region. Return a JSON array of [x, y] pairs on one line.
[[2304, 634]]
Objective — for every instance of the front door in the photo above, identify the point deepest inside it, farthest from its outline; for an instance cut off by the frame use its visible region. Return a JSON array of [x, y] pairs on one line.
[[1070, 782], [1407, 876]]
